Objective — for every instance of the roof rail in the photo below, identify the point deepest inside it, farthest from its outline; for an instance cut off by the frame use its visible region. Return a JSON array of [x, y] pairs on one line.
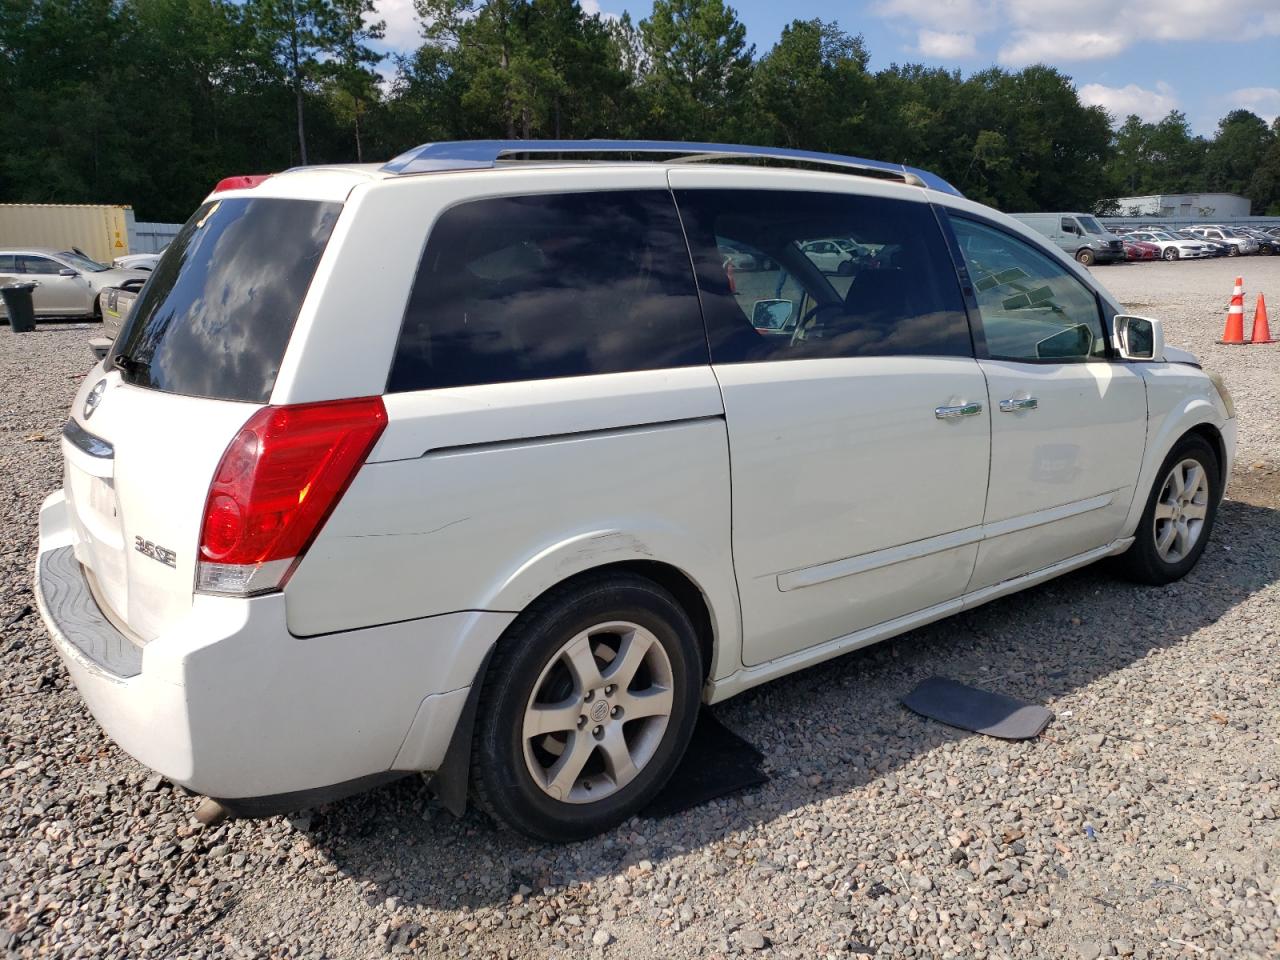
[[481, 154]]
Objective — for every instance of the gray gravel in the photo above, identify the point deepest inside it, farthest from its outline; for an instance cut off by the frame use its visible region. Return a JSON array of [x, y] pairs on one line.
[[1142, 823]]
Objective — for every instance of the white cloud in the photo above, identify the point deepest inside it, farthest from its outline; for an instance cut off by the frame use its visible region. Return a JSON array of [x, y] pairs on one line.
[[933, 12], [946, 46], [1150, 105], [403, 27], [1264, 101], [592, 8], [1026, 47], [1050, 30]]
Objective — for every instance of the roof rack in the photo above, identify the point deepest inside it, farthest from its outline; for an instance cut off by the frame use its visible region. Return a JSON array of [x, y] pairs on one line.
[[482, 154]]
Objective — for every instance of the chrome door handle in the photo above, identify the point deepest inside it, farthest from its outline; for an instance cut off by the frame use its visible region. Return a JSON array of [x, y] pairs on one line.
[[1013, 406], [964, 410]]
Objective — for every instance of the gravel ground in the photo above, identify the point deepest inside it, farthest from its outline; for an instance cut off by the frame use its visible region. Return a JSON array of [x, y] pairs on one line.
[[1142, 823]]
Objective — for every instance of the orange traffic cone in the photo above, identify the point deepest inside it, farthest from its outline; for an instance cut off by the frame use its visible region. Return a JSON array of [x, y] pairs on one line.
[[1234, 331], [1261, 329]]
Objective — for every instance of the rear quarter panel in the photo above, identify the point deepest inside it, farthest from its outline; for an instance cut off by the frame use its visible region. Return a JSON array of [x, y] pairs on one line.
[[471, 504]]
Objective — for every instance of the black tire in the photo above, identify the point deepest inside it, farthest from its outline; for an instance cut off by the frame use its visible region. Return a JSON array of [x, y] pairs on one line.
[[1142, 561], [501, 781], [1170, 254], [845, 269], [1086, 256], [1233, 251]]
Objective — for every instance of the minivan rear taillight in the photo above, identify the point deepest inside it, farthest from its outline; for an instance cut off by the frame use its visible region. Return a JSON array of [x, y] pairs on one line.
[[277, 483]]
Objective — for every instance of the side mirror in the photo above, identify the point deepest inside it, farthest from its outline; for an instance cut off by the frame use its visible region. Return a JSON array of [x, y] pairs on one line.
[[1139, 338], [770, 314], [67, 272]]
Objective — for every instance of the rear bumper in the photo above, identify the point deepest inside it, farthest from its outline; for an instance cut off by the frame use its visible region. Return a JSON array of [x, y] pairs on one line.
[[230, 704]]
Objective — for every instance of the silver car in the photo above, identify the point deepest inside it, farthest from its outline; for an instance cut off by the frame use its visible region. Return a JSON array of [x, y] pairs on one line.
[[67, 283], [139, 261], [114, 306]]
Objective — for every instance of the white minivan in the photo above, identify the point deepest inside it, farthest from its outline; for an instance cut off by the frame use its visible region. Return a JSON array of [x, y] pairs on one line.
[[487, 463]]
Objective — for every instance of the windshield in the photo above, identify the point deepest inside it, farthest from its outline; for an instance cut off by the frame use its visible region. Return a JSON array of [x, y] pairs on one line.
[[1090, 225], [217, 314], [83, 264], [1164, 236]]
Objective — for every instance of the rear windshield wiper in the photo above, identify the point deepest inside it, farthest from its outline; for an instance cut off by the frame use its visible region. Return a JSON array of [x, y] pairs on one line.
[[129, 364]]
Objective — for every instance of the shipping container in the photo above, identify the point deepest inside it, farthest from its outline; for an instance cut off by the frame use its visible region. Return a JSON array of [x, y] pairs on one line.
[[100, 230]]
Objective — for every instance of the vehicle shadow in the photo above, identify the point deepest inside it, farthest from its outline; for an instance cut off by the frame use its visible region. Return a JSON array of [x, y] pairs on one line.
[[828, 730]]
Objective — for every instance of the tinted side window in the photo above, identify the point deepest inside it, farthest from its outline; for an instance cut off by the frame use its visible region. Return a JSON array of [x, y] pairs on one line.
[[553, 285], [40, 265], [7, 263], [1031, 307], [792, 275]]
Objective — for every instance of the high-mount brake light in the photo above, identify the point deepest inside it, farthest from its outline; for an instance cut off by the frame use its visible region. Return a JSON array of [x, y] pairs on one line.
[[276, 485], [243, 182]]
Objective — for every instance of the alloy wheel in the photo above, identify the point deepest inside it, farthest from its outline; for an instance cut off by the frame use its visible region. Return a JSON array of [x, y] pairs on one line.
[[1180, 510], [598, 712]]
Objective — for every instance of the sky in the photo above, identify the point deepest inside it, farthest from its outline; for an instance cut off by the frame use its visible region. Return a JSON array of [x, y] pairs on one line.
[[1203, 57]]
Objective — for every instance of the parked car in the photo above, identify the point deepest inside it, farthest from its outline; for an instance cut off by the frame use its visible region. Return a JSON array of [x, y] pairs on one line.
[[67, 283], [1237, 243], [139, 261], [1267, 244], [830, 256], [114, 306], [1140, 250], [1217, 248], [288, 563], [1173, 247], [1080, 235]]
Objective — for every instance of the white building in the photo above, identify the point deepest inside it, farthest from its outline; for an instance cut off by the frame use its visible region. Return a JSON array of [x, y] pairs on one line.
[[1199, 206]]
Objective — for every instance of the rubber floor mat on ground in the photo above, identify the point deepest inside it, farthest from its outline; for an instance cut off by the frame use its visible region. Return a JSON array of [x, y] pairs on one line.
[[718, 762], [981, 711]]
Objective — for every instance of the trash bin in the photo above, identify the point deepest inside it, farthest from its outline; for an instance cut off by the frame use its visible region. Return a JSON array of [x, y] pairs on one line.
[[19, 306]]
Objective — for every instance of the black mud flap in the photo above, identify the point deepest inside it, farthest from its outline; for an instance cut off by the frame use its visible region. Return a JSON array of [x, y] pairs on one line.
[[981, 711], [450, 782]]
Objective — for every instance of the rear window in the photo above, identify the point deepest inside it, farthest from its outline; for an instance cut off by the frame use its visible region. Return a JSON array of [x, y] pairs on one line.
[[218, 311], [552, 285]]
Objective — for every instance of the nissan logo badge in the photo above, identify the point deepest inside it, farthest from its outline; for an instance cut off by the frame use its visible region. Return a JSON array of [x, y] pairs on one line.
[[94, 398]]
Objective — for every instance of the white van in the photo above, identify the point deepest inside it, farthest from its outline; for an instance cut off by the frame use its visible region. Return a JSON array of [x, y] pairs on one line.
[[1079, 235], [489, 463]]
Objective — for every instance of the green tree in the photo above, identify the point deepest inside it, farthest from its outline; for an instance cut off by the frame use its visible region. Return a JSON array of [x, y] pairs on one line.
[[1238, 149], [698, 66], [810, 91], [297, 33], [354, 84]]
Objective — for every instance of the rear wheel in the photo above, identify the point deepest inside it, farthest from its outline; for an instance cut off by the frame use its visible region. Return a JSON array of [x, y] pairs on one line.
[[587, 708], [1179, 516], [1233, 251], [1171, 253], [1085, 256]]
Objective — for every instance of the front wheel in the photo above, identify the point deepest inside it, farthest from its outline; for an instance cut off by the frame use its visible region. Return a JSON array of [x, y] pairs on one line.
[[1171, 253], [1178, 519], [587, 708], [1085, 256]]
